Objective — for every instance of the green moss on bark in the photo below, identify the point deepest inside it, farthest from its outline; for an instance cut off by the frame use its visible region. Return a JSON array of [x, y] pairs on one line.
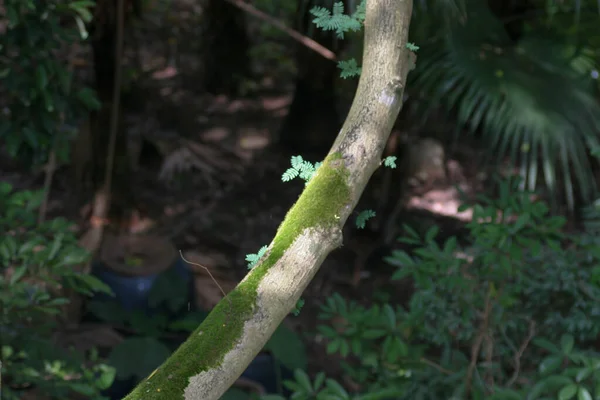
[[319, 205]]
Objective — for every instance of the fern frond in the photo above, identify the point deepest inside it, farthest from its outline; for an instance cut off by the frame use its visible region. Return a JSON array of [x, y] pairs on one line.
[[290, 174], [532, 101], [349, 68], [254, 258], [336, 21], [363, 217], [390, 161], [361, 11], [297, 161], [300, 168]]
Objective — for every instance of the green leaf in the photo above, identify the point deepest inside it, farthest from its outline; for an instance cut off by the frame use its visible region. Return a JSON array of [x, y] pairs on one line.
[[537, 390], [57, 302], [373, 333], [319, 380], [82, 8], [83, 388], [546, 344], [337, 388], [431, 233], [83, 33], [344, 348], [41, 77], [92, 284], [18, 273], [88, 97], [550, 364], [566, 343], [583, 374], [288, 348], [583, 394], [567, 392], [56, 245], [505, 394], [390, 315], [400, 258], [334, 345], [303, 380], [137, 357]]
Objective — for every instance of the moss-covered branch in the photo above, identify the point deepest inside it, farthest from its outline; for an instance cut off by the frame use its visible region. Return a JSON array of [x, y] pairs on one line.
[[221, 348]]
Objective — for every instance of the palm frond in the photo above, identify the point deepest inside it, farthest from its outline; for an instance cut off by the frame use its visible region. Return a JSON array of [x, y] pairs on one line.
[[533, 101]]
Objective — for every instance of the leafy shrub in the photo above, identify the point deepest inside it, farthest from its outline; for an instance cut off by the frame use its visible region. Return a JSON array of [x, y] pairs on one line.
[[41, 102], [495, 319], [36, 264]]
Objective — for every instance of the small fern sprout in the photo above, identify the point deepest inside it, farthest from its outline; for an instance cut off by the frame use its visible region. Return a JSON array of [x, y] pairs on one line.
[[298, 307], [254, 258], [349, 68], [290, 174], [390, 162], [363, 217], [301, 168], [412, 47], [337, 21]]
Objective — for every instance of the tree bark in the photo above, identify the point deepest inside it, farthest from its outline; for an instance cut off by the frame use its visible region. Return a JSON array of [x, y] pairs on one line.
[[221, 348]]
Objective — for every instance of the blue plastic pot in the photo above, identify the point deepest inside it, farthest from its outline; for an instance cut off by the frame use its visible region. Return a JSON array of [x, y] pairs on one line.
[[132, 292]]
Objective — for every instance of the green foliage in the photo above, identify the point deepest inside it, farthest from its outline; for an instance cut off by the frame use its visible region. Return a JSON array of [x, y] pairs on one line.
[[341, 23], [253, 259], [390, 162], [298, 308], [363, 217], [36, 264], [412, 47], [533, 97], [509, 306], [287, 348], [349, 68], [300, 168], [139, 354], [43, 104], [338, 21]]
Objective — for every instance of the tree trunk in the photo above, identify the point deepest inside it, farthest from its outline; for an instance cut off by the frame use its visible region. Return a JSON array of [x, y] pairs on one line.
[[221, 348], [104, 40], [226, 47], [313, 120]]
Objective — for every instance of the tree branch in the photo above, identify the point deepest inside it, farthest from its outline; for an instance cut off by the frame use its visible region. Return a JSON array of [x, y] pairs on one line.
[[221, 348], [304, 40]]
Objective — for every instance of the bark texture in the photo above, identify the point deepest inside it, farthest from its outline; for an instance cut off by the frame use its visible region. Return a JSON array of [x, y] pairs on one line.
[[221, 348]]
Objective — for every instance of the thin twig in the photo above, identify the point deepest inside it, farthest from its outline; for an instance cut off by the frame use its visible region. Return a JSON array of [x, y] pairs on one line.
[[52, 164], [476, 348], [211, 277], [519, 354], [436, 366], [49, 175], [304, 40]]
